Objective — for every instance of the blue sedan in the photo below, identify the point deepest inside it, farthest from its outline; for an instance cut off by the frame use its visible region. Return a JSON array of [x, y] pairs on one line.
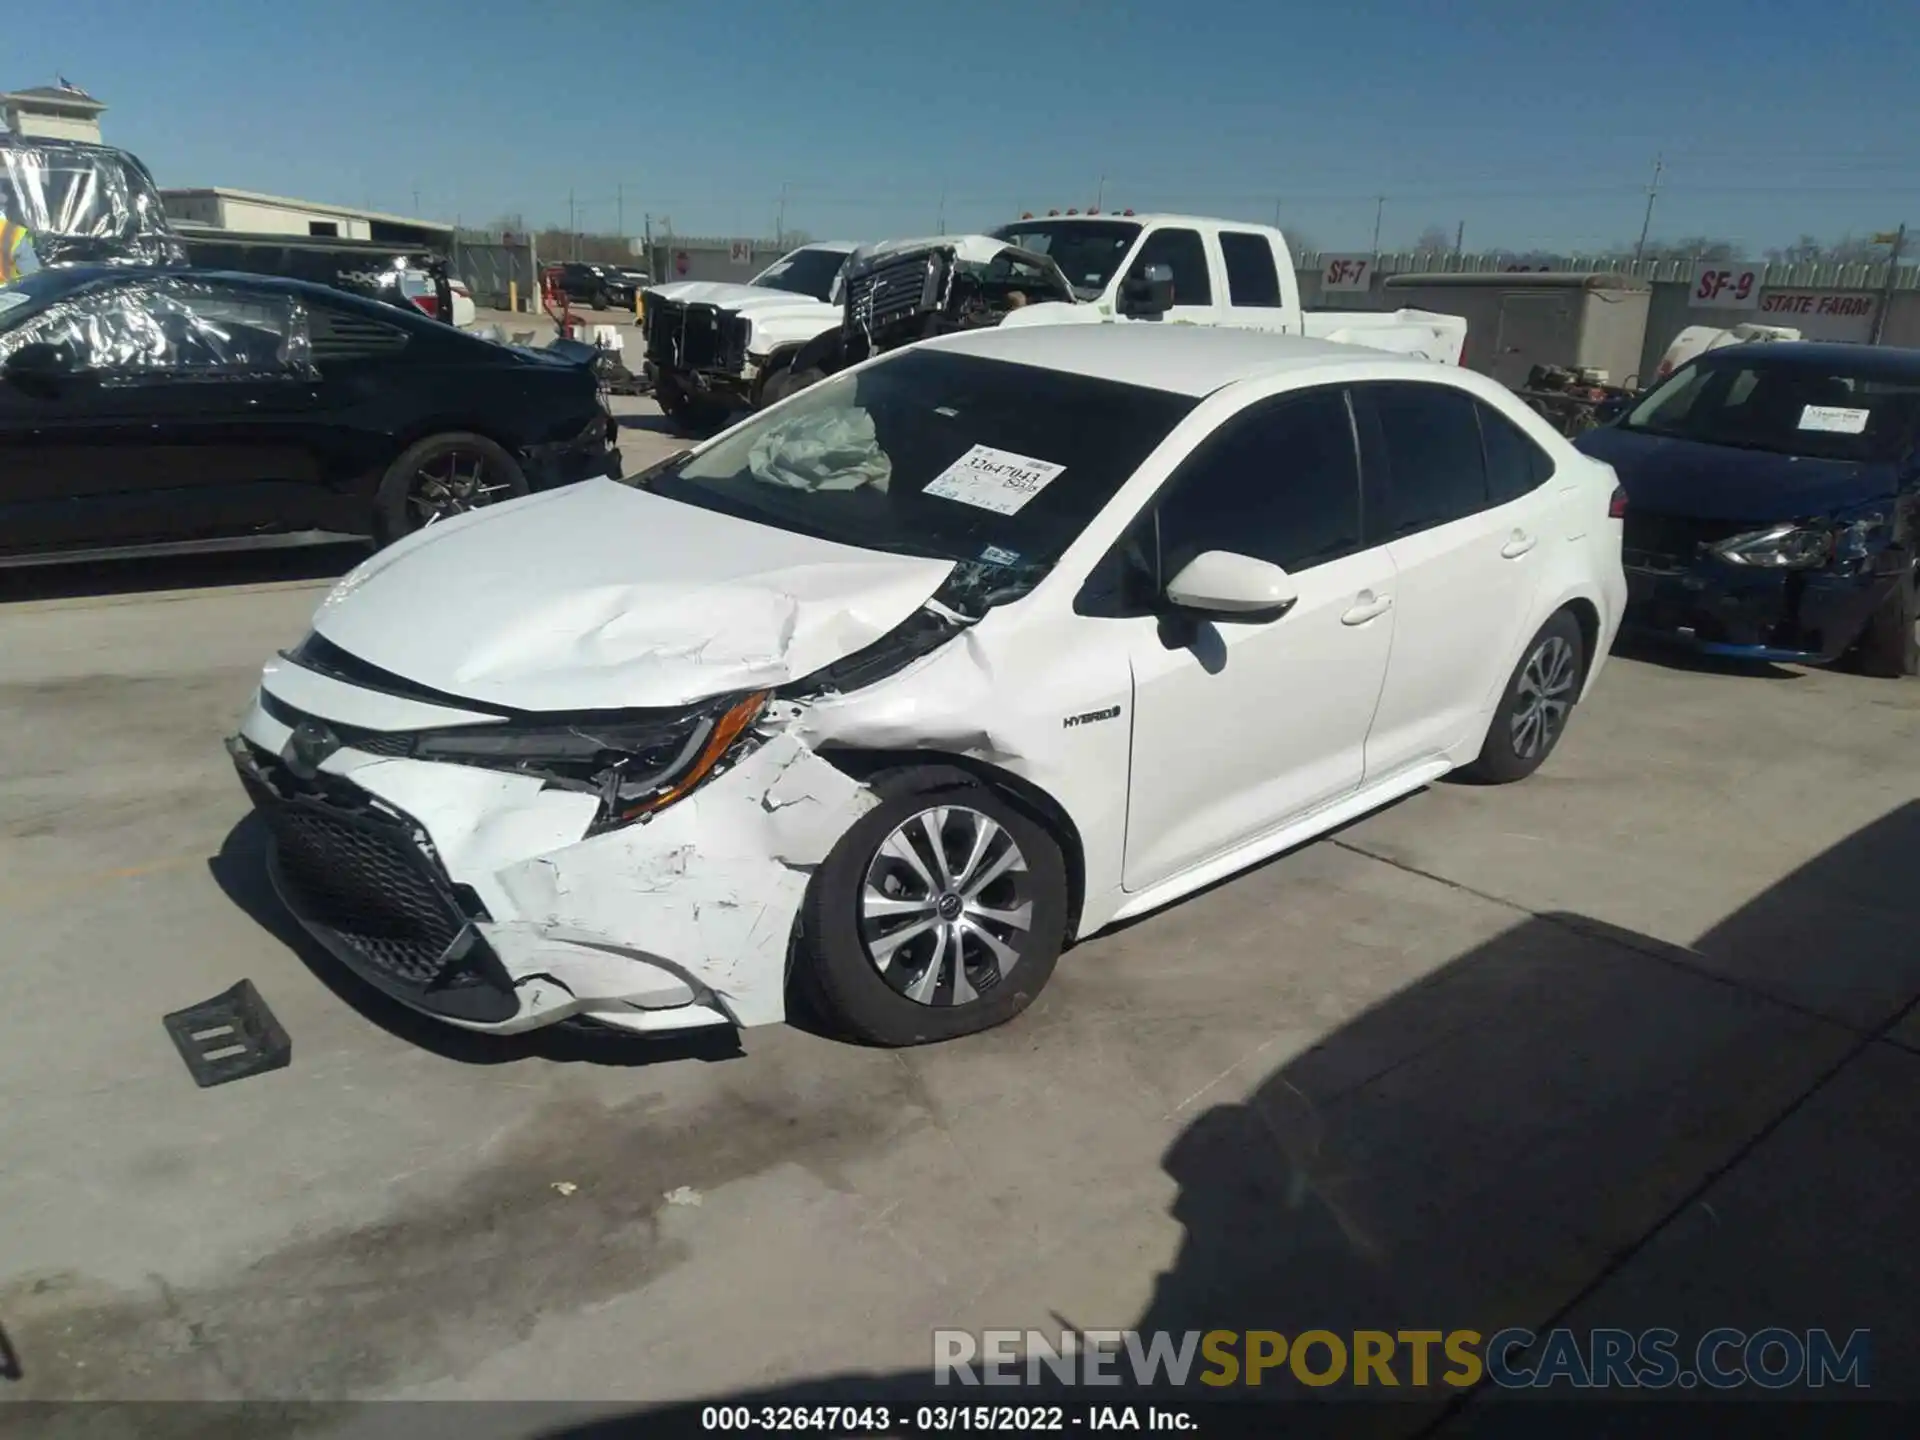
[[1773, 505]]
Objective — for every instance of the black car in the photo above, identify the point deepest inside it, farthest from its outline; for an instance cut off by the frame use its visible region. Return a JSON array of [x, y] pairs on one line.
[[1773, 504], [158, 407], [601, 287]]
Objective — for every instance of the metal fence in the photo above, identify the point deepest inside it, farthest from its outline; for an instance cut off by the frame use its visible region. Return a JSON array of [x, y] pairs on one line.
[[494, 272]]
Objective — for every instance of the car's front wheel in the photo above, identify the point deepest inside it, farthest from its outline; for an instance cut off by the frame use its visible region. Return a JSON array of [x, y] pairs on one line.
[[1536, 705], [443, 476], [1888, 646], [941, 912]]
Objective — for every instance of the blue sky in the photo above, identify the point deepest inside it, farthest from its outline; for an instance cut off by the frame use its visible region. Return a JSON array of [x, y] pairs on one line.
[[1535, 124]]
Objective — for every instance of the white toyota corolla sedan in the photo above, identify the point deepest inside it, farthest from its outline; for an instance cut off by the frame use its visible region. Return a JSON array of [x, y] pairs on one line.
[[895, 689]]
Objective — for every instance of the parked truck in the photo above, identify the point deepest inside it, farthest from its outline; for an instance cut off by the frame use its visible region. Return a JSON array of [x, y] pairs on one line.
[[1170, 269], [711, 344]]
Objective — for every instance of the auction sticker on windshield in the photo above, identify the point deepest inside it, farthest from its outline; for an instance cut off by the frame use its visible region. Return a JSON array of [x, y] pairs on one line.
[[1838, 419], [996, 480]]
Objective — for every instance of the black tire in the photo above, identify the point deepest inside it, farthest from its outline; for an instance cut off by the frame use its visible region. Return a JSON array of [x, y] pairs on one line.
[[399, 508], [1887, 647], [692, 415], [844, 983], [1534, 708], [602, 301], [783, 383]]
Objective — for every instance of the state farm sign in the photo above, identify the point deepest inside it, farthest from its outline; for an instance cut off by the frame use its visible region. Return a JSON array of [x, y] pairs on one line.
[[1821, 314]]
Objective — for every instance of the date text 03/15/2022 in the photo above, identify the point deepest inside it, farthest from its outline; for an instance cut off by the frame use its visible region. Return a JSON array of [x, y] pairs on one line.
[[942, 1419]]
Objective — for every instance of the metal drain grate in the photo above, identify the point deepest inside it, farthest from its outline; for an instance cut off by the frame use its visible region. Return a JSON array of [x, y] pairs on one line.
[[229, 1037]]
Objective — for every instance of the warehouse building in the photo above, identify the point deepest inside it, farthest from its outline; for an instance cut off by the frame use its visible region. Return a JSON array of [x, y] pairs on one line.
[[251, 213]]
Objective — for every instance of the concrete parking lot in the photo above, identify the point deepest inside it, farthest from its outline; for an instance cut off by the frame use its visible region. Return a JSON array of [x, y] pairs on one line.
[[1631, 1043]]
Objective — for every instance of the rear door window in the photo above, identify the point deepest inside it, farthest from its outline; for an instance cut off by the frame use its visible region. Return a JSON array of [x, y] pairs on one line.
[[1252, 280], [1436, 470]]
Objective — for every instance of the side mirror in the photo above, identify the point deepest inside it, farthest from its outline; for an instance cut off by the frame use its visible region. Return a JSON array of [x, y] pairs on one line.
[[43, 367], [1220, 585], [43, 364], [1149, 293]]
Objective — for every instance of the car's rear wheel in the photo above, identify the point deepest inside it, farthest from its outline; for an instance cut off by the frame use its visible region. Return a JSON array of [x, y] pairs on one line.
[[1536, 705], [602, 301], [940, 913], [443, 476], [1888, 646]]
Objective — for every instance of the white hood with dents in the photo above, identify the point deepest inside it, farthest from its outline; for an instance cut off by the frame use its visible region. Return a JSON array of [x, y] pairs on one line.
[[601, 597]]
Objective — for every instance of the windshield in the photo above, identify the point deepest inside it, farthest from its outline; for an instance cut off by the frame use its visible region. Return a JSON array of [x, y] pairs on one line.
[[1088, 252], [954, 457], [804, 272], [1784, 406]]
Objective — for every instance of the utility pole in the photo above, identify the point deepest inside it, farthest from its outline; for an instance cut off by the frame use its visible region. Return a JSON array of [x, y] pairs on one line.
[[1379, 209], [1459, 239], [416, 201], [1898, 239], [573, 228], [1646, 223], [942, 224], [620, 210], [780, 220], [1276, 212], [649, 242], [1099, 195]]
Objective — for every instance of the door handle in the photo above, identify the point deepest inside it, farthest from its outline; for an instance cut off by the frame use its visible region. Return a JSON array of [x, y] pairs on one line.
[[1367, 606], [1519, 545]]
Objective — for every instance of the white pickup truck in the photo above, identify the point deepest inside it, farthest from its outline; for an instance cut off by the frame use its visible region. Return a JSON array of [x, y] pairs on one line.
[[1090, 270], [708, 342]]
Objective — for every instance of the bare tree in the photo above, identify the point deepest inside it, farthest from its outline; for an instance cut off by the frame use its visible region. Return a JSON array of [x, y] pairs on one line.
[[1689, 247], [1435, 239], [1808, 250]]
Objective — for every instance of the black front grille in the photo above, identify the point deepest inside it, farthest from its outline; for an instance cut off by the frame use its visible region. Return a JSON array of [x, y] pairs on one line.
[[894, 291], [363, 877], [1671, 542], [695, 337]]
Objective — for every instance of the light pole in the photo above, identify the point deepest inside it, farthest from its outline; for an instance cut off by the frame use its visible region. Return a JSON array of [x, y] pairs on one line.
[[1379, 209], [1646, 221]]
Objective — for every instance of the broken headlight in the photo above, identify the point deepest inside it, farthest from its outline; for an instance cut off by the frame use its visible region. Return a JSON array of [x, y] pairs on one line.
[[1779, 547], [635, 764]]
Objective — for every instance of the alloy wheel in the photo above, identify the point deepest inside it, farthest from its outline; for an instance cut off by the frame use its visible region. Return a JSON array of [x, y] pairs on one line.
[[1543, 697], [946, 909], [452, 483]]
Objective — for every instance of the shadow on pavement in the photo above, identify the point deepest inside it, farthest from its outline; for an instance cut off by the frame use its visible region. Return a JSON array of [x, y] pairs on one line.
[[240, 870], [185, 572], [1571, 1125], [1693, 662]]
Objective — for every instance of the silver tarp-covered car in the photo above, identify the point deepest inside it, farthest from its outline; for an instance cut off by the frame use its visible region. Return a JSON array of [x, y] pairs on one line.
[[66, 202]]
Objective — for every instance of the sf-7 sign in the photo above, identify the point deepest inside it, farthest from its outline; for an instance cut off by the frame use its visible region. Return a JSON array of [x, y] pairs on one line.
[[1346, 272]]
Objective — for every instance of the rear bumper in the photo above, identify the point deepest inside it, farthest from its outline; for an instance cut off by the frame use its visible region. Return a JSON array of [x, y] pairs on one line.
[[1802, 617]]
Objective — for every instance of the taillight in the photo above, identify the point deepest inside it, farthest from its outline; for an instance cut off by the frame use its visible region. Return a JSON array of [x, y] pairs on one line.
[[1617, 506], [429, 304]]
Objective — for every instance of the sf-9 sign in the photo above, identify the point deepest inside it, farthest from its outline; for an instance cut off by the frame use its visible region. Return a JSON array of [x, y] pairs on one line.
[[1725, 287], [1346, 272]]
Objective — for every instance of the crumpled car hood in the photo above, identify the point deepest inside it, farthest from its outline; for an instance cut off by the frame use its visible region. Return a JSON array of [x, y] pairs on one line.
[[744, 299], [599, 596]]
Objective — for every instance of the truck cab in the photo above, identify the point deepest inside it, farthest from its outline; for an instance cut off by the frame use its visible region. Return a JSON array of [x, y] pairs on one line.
[[1221, 272]]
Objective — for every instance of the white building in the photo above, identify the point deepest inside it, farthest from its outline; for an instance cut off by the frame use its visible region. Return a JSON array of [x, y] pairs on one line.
[[248, 212], [52, 112]]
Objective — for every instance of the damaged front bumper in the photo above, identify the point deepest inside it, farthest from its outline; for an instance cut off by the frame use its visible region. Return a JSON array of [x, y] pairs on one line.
[[488, 899], [593, 454], [1808, 617]]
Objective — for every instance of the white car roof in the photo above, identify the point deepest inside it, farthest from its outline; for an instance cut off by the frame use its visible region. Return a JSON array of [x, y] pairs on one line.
[[1185, 359]]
